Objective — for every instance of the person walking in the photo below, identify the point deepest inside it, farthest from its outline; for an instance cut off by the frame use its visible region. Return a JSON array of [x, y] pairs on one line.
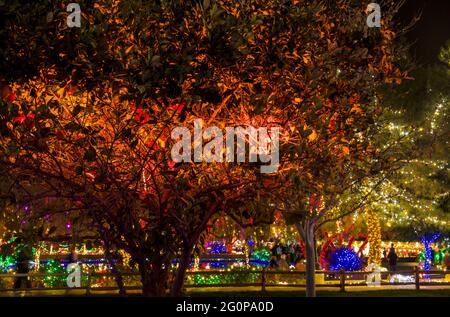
[[392, 257]]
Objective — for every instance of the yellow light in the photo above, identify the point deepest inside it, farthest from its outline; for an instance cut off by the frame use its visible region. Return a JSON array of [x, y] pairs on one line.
[[374, 238]]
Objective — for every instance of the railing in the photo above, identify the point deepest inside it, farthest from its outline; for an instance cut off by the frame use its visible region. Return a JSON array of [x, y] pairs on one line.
[[339, 279], [262, 279], [37, 282]]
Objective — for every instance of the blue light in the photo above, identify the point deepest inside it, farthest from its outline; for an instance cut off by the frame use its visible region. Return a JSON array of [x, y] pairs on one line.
[[345, 259], [427, 241], [218, 248]]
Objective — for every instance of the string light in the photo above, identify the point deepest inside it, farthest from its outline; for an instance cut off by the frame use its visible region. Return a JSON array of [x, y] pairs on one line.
[[427, 241], [374, 237], [345, 259]]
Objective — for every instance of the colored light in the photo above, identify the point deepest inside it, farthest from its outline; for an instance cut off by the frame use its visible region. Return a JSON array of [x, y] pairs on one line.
[[345, 259]]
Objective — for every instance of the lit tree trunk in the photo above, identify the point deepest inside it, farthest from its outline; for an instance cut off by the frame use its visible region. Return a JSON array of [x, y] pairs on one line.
[[374, 237], [306, 230]]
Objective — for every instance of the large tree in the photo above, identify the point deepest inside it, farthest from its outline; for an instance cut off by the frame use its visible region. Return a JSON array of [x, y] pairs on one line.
[[91, 119], [416, 197], [92, 127], [332, 142]]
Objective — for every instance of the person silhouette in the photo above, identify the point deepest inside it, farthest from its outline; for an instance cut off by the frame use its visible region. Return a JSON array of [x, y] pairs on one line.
[[392, 257]]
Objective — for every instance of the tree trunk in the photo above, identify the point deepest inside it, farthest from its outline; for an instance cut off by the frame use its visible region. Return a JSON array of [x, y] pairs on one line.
[[307, 232], [117, 275], [119, 279], [153, 279], [185, 261]]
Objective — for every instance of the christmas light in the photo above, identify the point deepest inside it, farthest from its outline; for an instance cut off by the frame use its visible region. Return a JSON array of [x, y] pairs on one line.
[[428, 258], [374, 237], [345, 259]]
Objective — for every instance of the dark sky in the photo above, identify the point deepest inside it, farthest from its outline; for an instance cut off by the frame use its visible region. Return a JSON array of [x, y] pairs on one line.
[[432, 31]]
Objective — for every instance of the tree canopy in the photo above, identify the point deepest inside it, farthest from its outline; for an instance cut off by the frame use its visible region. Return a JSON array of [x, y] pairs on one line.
[[87, 113]]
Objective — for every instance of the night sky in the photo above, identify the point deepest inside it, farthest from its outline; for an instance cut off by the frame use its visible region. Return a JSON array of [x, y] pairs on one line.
[[432, 31]]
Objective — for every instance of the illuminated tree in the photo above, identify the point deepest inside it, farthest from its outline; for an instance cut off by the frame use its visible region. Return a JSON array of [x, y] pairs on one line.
[[333, 143], [374, 236], [415, 199], [92, 129], [90, 121]]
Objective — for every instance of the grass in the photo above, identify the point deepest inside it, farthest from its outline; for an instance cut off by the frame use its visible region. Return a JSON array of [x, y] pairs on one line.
[[380, 293], [389, 293]]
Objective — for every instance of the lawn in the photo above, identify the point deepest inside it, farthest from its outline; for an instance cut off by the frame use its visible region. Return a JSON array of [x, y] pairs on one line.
[[380, 293]]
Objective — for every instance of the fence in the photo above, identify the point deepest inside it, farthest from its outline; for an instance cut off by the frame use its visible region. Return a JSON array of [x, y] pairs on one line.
[[340, 279], [262, 279]]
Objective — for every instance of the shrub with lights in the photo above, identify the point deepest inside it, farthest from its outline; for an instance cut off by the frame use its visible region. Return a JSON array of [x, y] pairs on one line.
[[346, 259], [218, 248], [261, 255], [7, 263], [53, 267], [235, 277], [338, 249]]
